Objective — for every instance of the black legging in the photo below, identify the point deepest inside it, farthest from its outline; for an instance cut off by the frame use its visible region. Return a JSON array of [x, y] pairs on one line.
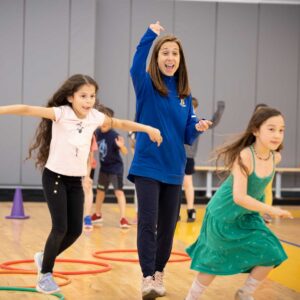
[[65, 198], [158, 210]]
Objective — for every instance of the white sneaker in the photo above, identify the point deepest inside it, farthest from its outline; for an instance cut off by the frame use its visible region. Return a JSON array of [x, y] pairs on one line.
[[241, 295], [159, 284], [47, 285], [38, 259], [148, 290]]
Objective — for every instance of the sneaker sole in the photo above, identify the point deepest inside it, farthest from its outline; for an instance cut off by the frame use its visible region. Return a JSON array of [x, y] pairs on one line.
[[88, 229], [161, 294], [190, 220], [97, 221], [46, 292], [124, 226], [151, 295], [88, 226], [239, 297]]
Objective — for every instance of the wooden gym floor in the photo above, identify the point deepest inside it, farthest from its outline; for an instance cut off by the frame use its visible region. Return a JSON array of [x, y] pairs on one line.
[[20, 239]]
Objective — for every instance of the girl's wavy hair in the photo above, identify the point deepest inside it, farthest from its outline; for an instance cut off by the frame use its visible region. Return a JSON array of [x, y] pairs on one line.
[[43, 134], [183, 86], [229, 152]]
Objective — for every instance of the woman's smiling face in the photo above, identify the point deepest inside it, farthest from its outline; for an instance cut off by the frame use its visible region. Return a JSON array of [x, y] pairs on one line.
[[168, 58]]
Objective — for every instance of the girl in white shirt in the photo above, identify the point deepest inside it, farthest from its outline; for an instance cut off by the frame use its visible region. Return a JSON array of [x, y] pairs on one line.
[[62, 144]]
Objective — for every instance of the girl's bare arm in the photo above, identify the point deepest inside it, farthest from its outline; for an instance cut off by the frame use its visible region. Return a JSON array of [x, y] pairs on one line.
[[241, 197], [28, 110], [154, 134]]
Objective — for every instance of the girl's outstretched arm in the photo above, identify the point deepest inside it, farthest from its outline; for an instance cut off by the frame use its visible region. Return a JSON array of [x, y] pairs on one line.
[[27, 110], [240, 195], [126, 125]]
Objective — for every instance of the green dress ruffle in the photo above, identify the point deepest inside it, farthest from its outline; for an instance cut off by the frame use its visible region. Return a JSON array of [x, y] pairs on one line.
[[233, 239]]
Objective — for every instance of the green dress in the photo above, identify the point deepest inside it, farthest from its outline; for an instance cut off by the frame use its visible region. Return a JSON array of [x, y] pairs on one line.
[[233, 239]]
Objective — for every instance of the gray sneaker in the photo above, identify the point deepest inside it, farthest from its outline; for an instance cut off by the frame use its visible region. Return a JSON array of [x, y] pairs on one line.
[[38, 259], [47, 285]]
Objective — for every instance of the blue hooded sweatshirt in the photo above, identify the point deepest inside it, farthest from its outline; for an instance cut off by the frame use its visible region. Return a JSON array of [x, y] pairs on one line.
[[174, 117]]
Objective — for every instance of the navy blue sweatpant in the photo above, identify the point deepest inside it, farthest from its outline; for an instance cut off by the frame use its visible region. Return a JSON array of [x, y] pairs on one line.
[[158, 210]]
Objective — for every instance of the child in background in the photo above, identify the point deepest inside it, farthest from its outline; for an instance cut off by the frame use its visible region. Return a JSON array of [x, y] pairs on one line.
[[234, 238], [188, 185], [62, 143], [191, 151], [110, 144], [88, 187]]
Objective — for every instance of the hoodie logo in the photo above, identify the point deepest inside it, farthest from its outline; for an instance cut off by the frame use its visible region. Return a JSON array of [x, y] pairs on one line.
[[182, 103]]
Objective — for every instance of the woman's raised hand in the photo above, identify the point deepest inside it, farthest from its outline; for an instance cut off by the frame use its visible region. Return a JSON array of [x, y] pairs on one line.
[[156, 27]]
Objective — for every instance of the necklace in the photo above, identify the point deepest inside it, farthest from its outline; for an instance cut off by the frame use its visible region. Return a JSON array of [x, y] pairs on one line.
[[259, 157]]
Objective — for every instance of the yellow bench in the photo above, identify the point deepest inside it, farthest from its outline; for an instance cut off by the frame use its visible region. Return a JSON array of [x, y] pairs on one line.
[[211, 169]]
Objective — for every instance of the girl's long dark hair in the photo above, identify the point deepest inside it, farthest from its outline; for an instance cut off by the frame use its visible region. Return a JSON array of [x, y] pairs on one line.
[[183, 86], [43, 134], [229, 152]]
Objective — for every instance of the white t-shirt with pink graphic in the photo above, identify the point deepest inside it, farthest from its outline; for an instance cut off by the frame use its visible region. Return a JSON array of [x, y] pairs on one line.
[[71, 141]]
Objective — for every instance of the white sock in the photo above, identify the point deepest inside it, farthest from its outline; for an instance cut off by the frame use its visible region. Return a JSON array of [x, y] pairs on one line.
[[196, 290], [250, 285]]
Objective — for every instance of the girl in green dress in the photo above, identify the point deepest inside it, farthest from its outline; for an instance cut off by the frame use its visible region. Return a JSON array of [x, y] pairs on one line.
[[234, 238]]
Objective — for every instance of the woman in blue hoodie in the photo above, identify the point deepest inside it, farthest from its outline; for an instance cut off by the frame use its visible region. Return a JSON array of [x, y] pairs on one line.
[[164, 101]]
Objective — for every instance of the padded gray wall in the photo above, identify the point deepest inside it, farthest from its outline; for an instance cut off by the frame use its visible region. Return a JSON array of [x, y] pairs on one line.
[[46, 59], [11, 85], [198, 40], [240, 53], [43, 42], [112, 56]]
